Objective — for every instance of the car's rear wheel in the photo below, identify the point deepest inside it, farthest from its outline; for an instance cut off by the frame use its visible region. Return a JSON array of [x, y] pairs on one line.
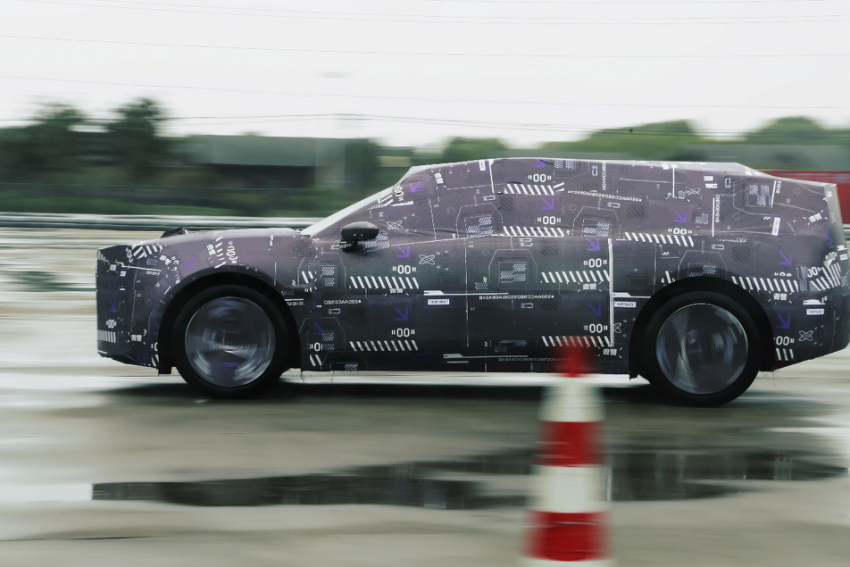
[[701, 348], [230, 341]]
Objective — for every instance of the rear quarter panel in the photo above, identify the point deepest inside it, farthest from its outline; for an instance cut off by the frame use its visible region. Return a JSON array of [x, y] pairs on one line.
[[781, 240]]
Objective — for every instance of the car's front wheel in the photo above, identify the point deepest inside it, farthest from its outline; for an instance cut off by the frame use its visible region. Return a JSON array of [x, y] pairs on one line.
[[230, 341], [701, 348]]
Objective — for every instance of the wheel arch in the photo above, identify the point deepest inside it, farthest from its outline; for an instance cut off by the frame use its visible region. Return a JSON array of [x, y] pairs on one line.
[[227, 278], [703, 283]]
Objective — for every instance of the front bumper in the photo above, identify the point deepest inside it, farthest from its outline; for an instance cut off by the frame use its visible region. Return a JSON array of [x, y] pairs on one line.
[[119, 336]]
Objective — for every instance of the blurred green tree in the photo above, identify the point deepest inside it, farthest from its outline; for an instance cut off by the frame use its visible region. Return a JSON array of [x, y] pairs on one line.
[[50, 144], [661, 140], [135, 139], [792, 130], [361, 167], [466, 149]]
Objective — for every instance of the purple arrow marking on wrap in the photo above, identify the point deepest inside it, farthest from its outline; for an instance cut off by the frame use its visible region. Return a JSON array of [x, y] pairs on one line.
[[414, 188], [191, 263], [319, 332], [786, 260], [405, 252], [784, 322], [828, 239], [401, 316], [540, 163], [596, 310], [548, 206], [680, 217], [594, 245], [113, 306]]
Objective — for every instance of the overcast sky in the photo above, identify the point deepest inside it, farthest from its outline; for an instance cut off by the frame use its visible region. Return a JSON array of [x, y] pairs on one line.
[[419, 71]]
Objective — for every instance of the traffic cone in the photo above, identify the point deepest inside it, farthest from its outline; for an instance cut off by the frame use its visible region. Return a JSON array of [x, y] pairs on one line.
[[568, 512]]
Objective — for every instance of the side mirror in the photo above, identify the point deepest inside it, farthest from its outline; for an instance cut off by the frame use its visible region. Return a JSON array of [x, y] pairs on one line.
[[356, 232]]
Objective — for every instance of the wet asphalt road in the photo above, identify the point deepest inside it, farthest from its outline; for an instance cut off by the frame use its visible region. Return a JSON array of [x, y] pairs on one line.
[[106, 464]]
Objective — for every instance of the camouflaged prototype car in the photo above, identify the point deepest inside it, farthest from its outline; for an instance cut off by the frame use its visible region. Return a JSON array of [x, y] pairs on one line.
[[694, 275]]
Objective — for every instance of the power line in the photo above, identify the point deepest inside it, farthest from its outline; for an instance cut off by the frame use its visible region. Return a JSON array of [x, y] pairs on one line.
[[482, 20], [490, 2], [95, 121], [424, 53], [622, 2], [423, 99], [626, 3], [632, 131], [513, 3], [636, 131], [253, 119]]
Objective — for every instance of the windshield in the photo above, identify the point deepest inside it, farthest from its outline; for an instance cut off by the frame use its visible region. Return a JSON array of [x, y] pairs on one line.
[[326, 223]]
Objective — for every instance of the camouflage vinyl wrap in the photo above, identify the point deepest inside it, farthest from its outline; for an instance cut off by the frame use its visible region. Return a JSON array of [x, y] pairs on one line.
[[489, 265]]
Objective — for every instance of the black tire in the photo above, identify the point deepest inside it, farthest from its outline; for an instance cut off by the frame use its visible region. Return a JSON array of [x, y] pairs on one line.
[[701, 348], [230, 341]]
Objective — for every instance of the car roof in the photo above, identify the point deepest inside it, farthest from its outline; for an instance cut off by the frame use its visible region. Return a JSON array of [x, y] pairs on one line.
[[714, 167]]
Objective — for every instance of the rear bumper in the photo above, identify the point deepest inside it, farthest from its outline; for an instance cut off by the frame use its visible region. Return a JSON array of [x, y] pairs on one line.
[[812, 328], [842, 324]]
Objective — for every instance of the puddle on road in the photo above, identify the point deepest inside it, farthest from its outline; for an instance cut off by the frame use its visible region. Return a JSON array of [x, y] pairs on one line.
[[376, 488], [414, 484], [634, 476], [676, 475]]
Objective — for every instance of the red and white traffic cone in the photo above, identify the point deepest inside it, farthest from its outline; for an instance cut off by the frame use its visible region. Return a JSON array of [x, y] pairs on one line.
[[568, 509]]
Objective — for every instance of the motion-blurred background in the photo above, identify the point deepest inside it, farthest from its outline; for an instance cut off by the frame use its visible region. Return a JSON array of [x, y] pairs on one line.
[[286, 108]]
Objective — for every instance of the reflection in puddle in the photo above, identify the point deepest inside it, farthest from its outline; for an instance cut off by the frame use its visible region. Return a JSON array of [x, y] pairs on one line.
[[639, 475], [679, 475]]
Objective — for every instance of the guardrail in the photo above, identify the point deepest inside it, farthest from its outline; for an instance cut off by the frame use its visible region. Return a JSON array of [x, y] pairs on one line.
[[143, 222]]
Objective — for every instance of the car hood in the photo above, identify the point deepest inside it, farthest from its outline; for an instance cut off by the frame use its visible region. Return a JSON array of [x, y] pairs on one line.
[[191, 237]]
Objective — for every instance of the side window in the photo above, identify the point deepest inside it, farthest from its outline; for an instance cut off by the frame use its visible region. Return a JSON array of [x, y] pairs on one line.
[[544, 198], [330, 226], [401, 212], [406, 215], [530, 200], [465, 204]]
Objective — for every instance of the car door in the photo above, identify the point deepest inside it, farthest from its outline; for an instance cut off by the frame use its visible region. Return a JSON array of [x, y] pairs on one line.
[[542, 282], [389, 300]]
